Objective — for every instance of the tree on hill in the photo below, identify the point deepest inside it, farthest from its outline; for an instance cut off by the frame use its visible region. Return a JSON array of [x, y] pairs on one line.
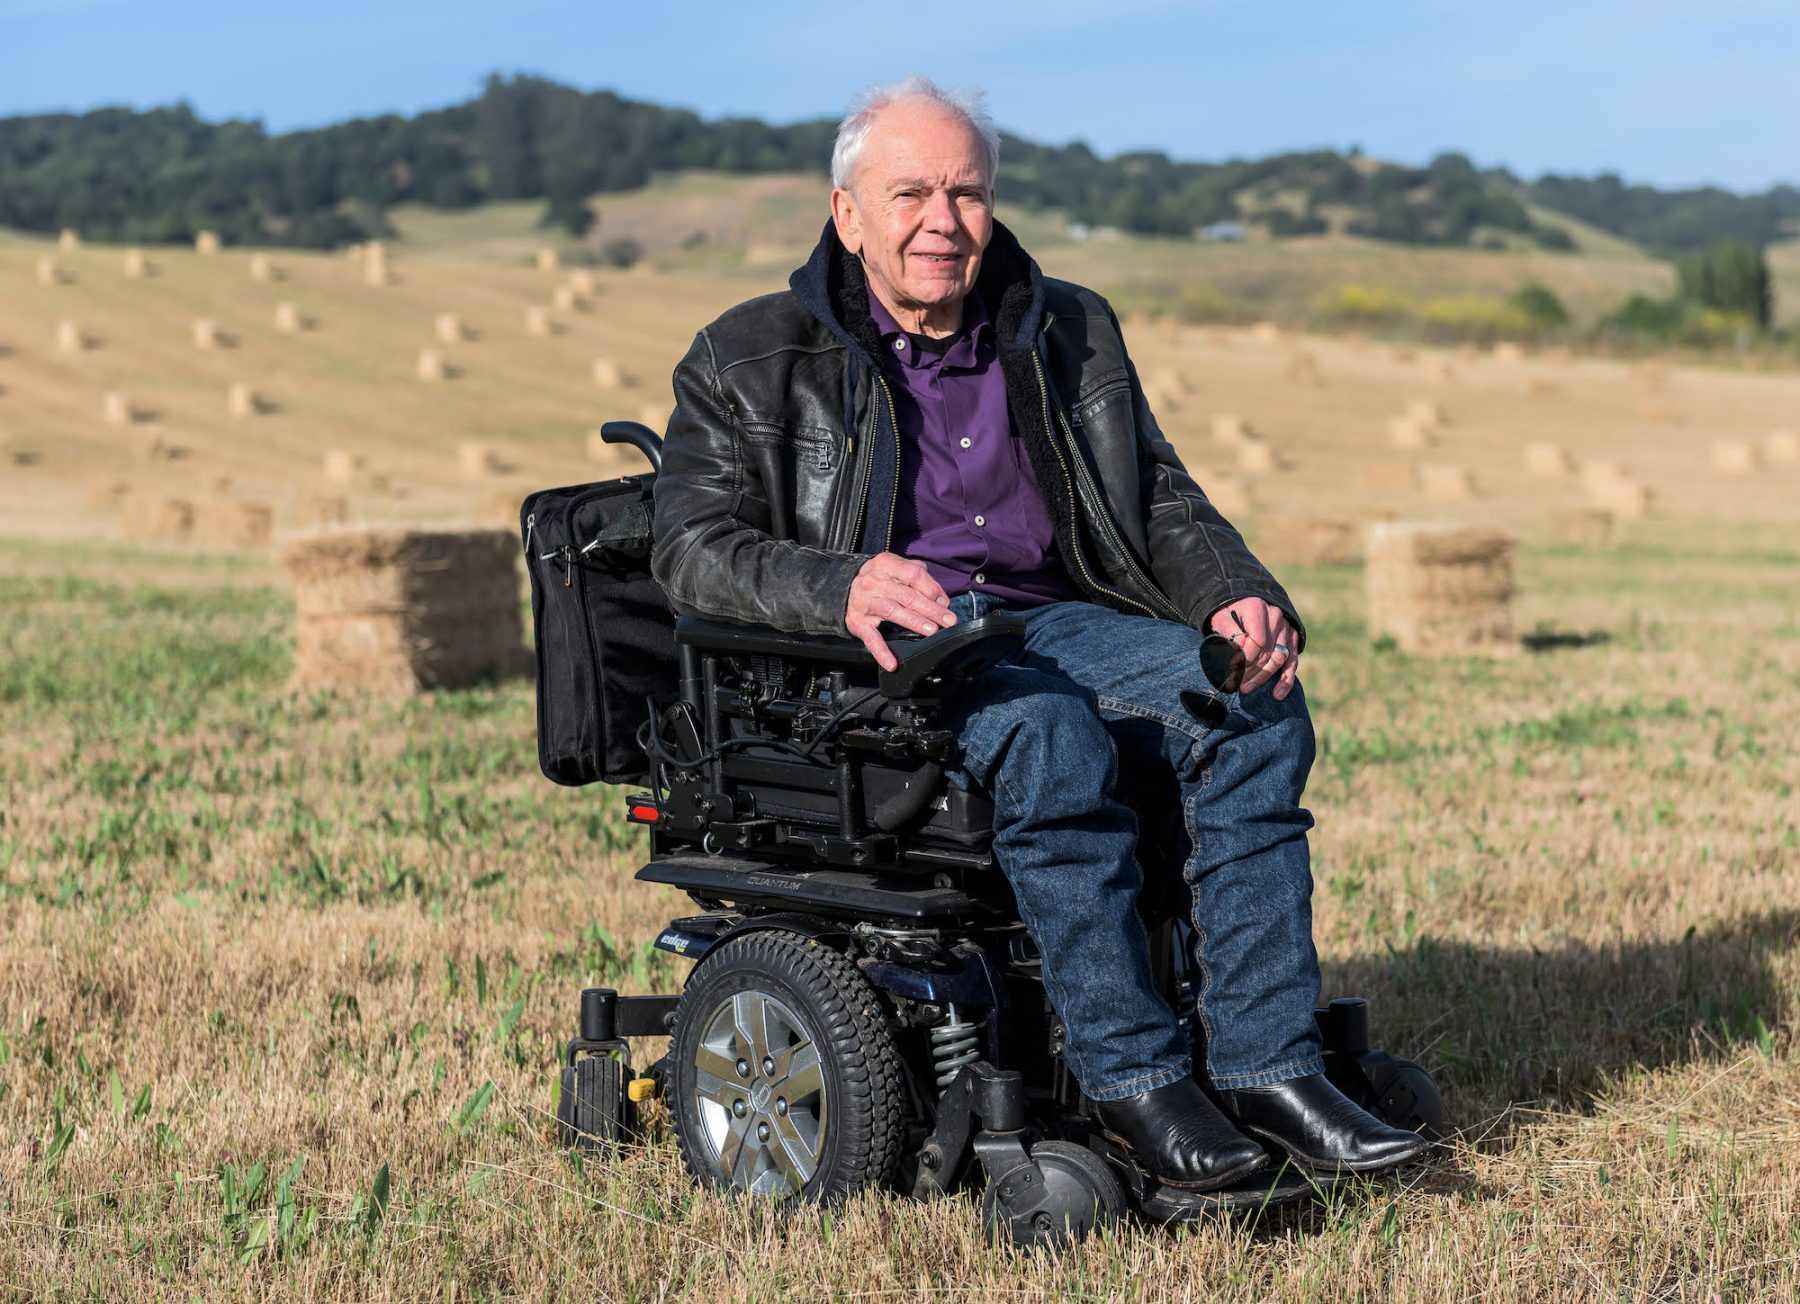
[[1730, 277]]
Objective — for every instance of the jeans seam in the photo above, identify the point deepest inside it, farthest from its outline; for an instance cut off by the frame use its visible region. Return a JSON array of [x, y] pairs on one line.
[[1166, 1076], [1309, 1062], [1151, 713]]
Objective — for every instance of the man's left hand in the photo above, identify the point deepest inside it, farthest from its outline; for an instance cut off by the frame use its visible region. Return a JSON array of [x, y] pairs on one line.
[[1268, 643]]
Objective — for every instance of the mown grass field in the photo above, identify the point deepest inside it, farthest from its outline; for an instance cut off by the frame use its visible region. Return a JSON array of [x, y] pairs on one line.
[[283, 979]]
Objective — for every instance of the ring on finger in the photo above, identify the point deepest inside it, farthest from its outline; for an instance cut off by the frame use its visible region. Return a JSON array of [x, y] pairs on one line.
[[1283, 649]]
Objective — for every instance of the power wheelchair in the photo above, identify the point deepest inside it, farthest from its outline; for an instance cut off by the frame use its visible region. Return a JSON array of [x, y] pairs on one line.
[[866, 1007]]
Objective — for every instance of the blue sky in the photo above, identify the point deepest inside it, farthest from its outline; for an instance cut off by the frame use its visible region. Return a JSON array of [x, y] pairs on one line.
[[1668, 93]]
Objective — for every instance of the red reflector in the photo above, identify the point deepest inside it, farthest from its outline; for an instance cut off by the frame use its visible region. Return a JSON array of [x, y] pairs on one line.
[[646, 813]]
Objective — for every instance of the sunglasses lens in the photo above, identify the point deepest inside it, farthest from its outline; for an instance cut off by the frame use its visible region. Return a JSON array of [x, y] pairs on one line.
[[1222, 663]]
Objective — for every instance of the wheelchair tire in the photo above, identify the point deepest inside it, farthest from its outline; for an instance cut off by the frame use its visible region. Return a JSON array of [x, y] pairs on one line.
[[784, 1079], [595, 1114]]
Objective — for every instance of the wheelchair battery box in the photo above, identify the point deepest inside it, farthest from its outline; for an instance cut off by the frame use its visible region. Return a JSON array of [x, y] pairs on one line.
[[603, 629]]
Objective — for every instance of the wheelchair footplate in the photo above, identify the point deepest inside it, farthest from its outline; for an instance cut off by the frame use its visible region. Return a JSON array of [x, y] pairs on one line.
[[1276, 1185]]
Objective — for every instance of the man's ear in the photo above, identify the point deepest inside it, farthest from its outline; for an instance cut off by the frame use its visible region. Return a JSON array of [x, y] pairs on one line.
[[848, 220]]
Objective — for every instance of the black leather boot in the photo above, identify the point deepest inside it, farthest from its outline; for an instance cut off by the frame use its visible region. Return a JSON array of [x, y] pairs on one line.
[[1321, 1127], [1180, 1137]]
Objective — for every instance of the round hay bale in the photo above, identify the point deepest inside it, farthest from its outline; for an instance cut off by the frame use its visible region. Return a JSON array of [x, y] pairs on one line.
[[287, 317], [68, 240], [1230, 429], [609, 375], [1548, 460], [261, 269], [206, 242], [584, 282], [1449, 484], [206, 333], [449, 328], [1388, 477], [1583, 527], [118, 410], [135, 266], [1781, 446], [1289, 540], [153, 518], [1257, 458], [478, 461], [375, 265], [48, 273], [1733, 457], [548, 260], [226, 524], [565, 299], [69, 338], [1440, 588], [431, 365], [1410, 432], [403, 610], [538, 323], [1626, 499], [242, 401], [343, 466]]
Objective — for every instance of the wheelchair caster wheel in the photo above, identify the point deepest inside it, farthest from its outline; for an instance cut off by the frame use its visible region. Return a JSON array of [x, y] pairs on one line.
[[595, 1112], [1075, 1194], [784, 1080]]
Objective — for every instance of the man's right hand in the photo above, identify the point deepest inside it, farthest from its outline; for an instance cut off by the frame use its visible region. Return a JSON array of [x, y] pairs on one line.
[[899, 591]]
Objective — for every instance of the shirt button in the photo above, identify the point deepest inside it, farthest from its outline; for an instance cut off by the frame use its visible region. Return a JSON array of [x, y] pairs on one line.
[[981, 520], [965, 441], [900, 345], [980, 578]]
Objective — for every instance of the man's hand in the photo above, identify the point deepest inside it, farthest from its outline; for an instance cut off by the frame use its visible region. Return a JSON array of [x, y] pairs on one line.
[[900, 591], [1266, 640]]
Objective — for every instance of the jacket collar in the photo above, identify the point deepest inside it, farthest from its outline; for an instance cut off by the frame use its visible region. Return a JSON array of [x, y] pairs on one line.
[[834, 288]]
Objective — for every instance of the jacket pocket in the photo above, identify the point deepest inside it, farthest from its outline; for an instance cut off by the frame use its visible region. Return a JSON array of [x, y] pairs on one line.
[[812, 447]]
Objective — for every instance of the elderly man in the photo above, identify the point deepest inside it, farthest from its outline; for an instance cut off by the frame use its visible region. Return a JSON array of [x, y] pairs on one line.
[[924, 428]]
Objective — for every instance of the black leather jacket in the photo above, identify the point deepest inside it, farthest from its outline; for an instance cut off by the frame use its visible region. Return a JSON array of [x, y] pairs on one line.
[[780, 464]]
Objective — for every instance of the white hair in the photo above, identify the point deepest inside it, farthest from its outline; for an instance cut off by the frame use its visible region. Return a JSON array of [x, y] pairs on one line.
[[853, 131]]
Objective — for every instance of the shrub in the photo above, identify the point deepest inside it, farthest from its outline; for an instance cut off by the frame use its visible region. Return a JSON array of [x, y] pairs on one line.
[[1371, 304], [1540, 304]]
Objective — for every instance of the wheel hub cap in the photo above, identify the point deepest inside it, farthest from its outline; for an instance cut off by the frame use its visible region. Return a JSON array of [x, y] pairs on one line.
[[764, 1136]]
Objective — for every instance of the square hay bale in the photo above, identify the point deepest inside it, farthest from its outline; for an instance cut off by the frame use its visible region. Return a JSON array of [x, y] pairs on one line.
[[206, 242], [1626, 499], [1447, 484], [69, 338], [403, 610], [287, 317], [1583, 527], [1440, 588], [609, 375], [1781, 446], [538, 323], [583, 281], [242, 401], [68, 240], [375, 265], [153, 518], [1309, 540], [135, 266], [566, 299], [449, 328], [48, 273], [342, 466], [1428, 413], [118, 410], [1388, 477], [1254, 458], [261, 269], [1230, 429], [321, 509], [1733, 457], [206, 333], [431, 365], [478, 461], [1548, 459], [226, 524], [1410, 432]]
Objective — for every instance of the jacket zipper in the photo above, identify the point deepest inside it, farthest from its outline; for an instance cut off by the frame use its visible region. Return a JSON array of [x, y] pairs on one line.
[[887, 395], [1051, 426]]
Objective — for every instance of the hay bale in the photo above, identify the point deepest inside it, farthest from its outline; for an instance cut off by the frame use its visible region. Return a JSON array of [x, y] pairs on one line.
[[548, 260], [565, 299], [68, 240], [1409, 432], [321, 509], [1733, 457], [1547, 459], [1438, 588], [538, 323], [206, 333], [1447, 484], [242, 401], [1388, 477], [1583, 527], [374, 261], [584, 282], [1781, 446], [287, 317], [261, 269], [135, 266], [342, 466], [48, 273], [206, 242], [1267, 332], [152, 518], [449, 328], [118, 410], [226, 524], [1509, 353], [609, 375], [1309, 540], [403, 610], [431, 365], [69, 338], [1231, 430], [1629, 500], [1257, 458], [478, 461], [1428, 413]]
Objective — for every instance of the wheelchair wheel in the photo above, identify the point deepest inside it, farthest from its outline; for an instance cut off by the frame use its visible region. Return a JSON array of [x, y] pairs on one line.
[[594, 1112], [784, 1079]]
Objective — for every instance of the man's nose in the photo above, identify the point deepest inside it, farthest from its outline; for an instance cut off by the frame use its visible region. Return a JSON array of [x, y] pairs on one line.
[[940, 213]]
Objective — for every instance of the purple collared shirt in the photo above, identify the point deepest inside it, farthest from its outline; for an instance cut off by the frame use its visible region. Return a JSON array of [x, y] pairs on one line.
[[969, 506]]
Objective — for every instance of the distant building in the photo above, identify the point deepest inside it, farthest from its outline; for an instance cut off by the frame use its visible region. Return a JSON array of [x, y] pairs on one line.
[[1223, 231]]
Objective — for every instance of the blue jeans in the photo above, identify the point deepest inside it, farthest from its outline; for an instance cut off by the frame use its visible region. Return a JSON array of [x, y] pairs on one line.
[[1040, 736]]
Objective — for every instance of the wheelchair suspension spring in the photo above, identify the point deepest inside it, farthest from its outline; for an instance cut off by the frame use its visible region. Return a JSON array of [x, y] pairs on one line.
[[954, 1043]]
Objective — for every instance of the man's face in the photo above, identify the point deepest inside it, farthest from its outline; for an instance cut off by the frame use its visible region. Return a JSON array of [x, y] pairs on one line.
[[921, 211]]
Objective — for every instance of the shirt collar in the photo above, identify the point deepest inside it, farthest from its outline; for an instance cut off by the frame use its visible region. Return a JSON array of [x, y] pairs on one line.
[[962, 354]]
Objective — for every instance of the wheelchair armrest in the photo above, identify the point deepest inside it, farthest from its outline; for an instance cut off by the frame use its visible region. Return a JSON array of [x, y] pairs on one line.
[[960, 652]]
